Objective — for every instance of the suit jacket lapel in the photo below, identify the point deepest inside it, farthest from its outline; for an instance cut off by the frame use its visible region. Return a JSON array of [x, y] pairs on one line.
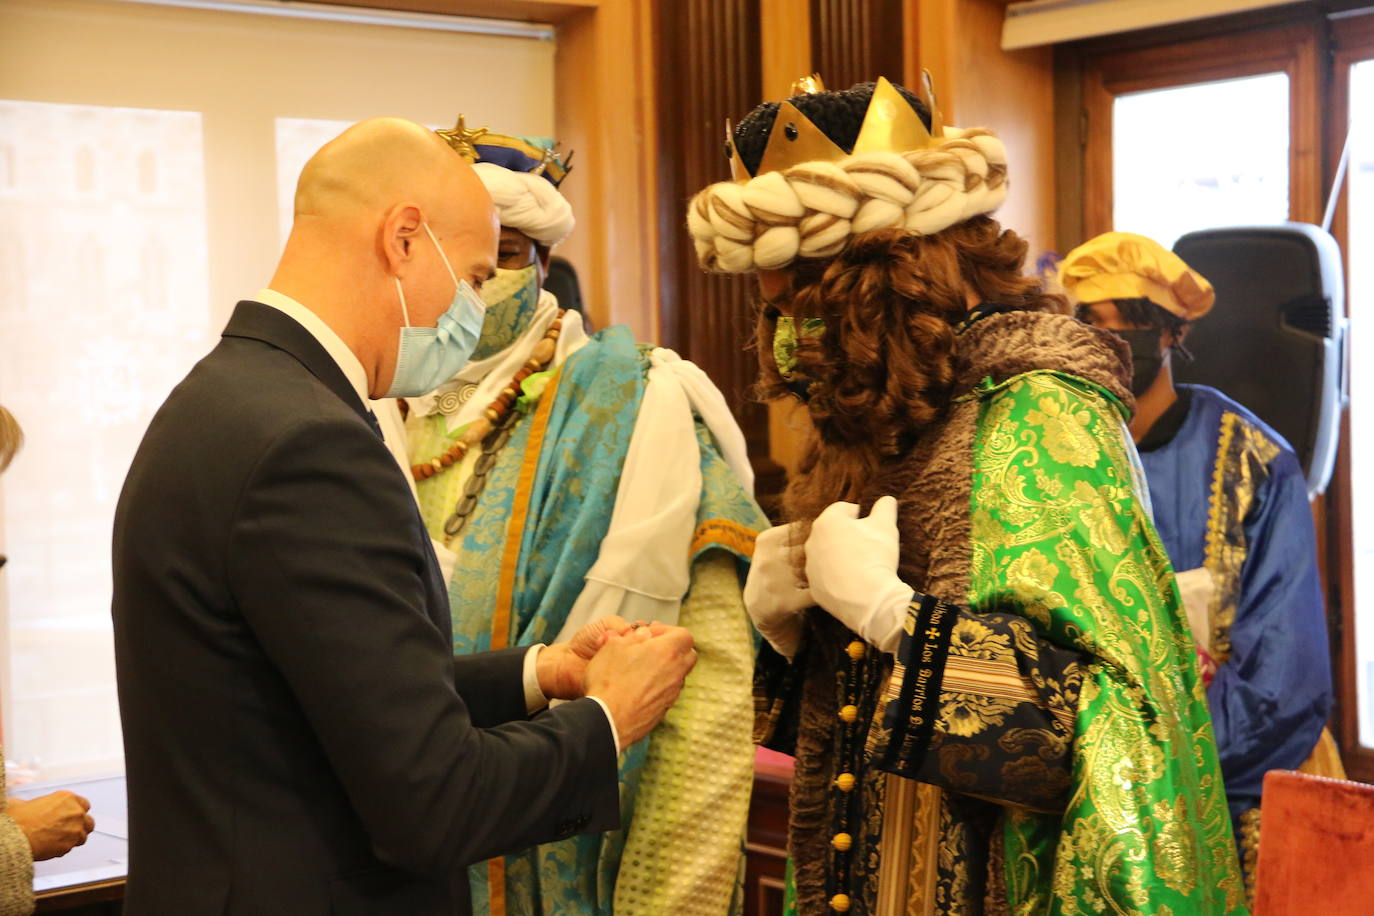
[[256, 321]]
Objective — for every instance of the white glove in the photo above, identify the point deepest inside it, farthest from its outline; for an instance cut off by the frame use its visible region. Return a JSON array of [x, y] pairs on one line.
[[851, 563], [773, 593]]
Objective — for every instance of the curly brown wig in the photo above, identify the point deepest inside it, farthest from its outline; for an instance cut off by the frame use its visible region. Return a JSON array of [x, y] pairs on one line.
[[885, 367]]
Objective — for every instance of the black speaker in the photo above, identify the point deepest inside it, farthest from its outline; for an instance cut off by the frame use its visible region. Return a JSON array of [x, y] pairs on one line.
[[1275, 341]]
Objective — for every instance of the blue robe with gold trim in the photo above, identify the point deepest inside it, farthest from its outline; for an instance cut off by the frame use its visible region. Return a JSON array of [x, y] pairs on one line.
[[1229, 495]]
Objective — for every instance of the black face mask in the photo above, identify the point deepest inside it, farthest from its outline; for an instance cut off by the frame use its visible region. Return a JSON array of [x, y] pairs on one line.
[[1147, 358]]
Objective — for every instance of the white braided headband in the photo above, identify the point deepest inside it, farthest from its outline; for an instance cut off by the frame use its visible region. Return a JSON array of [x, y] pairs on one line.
[[527, 202], [811, 210]]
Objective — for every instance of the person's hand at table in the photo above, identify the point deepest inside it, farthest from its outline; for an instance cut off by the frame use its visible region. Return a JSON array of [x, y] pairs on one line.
[[54, 823]]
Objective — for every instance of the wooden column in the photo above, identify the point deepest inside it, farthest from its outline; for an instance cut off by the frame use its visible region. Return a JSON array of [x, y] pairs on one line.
[[607, 114], [709, 71], [855, 41], [1012, 92]]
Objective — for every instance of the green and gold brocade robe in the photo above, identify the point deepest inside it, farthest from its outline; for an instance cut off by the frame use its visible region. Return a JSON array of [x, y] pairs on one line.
[[1040, 743]]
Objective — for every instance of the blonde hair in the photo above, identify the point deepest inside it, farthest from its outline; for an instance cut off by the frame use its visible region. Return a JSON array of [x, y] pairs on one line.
[[11, 437]]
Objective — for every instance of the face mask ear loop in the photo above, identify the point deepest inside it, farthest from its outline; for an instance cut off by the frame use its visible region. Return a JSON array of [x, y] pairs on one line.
[[405, 314], [1180, 348], [443, 257]]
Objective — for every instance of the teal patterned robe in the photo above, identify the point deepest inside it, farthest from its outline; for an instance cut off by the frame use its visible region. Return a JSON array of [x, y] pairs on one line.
[[571, 449]]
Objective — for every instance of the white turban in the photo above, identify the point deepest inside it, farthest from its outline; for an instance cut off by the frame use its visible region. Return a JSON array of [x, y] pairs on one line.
[[528, 202]]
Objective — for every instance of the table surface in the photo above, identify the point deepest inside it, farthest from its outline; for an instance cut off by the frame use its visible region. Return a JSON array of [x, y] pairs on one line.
[[105, 854]]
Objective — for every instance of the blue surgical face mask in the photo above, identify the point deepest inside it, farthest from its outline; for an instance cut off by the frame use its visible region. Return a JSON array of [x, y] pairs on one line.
[[428, 357]]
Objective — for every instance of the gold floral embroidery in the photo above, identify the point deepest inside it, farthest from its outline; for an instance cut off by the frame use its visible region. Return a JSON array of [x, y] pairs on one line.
[[1173, 847], [1068, 438], [974, 640], [1031, 574], [1243, 457], [968, 714], [1146, 827]]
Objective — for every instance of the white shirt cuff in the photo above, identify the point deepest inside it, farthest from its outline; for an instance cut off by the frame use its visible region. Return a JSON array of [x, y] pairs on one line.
[[534, 696], [535, 699], [615, 734]]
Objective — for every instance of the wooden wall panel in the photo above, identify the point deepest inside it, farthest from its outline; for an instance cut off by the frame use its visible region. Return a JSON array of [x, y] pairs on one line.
[[710, 71], [606, 113], [1012, 92], [855, 41]]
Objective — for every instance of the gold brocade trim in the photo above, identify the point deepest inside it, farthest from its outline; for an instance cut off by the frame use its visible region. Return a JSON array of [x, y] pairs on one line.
[[925, 850], [909, 847], [1243, 456], [1325, 759], [878, 736], [895, 846], [724, 533], [1249, 850], [520, 507]]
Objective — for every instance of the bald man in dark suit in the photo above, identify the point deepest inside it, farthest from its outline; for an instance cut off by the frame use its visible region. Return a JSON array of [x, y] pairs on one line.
[[299, 738]]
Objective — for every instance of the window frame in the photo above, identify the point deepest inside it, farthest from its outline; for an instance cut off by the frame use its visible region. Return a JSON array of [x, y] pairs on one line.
[[1290, 49], [1352, 41]]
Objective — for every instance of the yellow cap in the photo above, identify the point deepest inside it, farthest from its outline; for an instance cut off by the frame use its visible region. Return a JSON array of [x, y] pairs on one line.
[[1123, 265]]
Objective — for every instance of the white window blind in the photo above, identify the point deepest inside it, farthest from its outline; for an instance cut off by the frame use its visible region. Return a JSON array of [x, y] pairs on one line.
[[140, 197]]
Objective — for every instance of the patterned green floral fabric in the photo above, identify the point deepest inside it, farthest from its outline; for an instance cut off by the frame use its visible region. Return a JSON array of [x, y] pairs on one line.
[[1060, 537]]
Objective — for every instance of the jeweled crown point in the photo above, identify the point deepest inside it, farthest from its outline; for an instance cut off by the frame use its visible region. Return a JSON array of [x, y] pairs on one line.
[[463, 140], [890, 125]]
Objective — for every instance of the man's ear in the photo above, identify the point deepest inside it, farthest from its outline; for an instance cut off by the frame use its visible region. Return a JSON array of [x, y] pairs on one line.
[[400, 229], [1176, 337]]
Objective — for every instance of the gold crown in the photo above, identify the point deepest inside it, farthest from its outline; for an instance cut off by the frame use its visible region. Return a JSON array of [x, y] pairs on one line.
[[889, 125], [465, 141]]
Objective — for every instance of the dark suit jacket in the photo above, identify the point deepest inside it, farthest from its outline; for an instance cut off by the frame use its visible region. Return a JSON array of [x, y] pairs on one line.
[[299, 738]]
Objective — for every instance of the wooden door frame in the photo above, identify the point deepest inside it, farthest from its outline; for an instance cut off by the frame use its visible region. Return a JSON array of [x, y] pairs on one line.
[[1294, 49], [1352, 40]]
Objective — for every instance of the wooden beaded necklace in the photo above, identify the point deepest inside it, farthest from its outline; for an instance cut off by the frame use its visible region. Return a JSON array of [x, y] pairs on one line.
[[497, 410]]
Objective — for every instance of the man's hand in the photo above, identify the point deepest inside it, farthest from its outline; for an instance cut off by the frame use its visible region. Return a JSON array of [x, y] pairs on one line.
[[53, 823], [639, 676], [851, 565], [562, 667], [774, 595]]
